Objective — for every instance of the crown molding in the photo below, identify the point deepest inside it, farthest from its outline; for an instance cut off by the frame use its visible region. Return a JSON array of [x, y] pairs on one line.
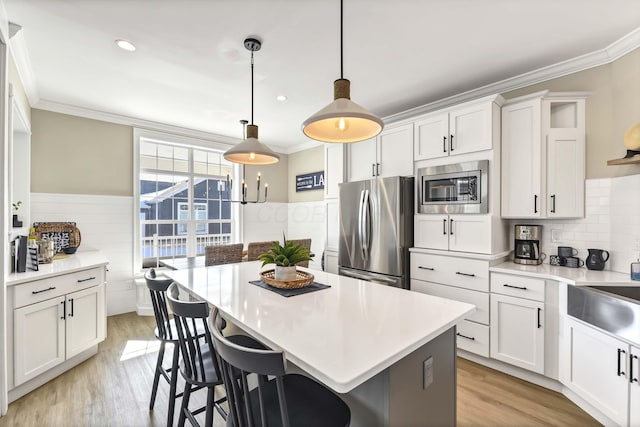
[[614, 51], [88, 113], [18, 49]]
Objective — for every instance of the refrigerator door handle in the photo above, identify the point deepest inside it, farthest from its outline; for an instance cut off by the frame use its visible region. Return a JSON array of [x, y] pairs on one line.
[[366, 235], [361, 223]]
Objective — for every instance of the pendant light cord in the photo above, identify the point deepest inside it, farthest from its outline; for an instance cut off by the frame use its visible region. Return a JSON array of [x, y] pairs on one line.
[[252, 86], [341, 55]]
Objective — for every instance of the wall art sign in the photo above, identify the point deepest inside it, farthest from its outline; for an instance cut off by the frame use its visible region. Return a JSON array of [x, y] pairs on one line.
[[310, 181]]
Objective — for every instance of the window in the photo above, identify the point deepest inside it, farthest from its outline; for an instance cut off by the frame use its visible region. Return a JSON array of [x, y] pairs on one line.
[[183, 200]]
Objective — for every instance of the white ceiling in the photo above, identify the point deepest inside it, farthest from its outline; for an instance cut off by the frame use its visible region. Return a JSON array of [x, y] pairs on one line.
[[192, 70]]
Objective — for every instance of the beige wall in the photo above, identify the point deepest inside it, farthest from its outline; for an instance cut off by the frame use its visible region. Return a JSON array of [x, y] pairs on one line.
[[306, 161], [73, 155], [18, 89], [274, 175], [612, 108]]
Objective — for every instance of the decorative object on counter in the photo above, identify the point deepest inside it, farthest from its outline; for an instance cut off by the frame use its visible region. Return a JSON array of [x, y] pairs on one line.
[[15, 206], [567, 251], [32, 258], [635, 270], [290, 292], [527, 244], [596, 260], [251, 151], [285, 257], [557, 260], [228, 186], [300, 280], [343, 120], [63, 234], [46, 250], [69, 250], [573, 262]]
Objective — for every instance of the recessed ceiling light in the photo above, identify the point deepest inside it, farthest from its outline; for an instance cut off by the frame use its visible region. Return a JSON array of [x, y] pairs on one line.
[[281, 98], [126, 45]]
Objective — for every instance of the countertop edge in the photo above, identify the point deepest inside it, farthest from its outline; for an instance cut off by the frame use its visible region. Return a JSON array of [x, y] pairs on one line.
[[77, 262], [485, 257], [573, 276]]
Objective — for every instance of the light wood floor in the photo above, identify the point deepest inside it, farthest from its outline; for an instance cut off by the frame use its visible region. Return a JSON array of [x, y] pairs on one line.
[[113, 389]]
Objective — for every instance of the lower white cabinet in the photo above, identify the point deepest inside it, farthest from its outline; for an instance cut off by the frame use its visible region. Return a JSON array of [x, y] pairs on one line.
[[517, 332], [634, 387], [331, 262], [460, 233], [49, 332], [596, 369]]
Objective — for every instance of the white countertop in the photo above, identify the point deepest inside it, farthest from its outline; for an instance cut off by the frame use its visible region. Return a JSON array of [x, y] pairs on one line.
[[484, 257], [573, 276], [79, 261], [342, 335]]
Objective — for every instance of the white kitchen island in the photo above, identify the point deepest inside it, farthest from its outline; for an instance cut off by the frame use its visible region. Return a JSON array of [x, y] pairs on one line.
[[374, 345]]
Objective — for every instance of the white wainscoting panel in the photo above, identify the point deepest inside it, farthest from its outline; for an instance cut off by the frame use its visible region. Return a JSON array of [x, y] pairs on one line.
[[105, 223], [307, 220], [264, 221]]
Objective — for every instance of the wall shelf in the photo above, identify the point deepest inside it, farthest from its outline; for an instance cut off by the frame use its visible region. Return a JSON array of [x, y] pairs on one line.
[[635, 160]]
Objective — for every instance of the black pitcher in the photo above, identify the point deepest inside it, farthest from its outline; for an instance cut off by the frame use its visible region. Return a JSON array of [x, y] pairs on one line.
[[595, 260]]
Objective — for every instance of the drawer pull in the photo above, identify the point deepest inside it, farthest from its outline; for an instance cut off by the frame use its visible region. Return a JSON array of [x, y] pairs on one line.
[[466, 274], [43, 290], [85, 280], [425, 268], [464, 336], [522, 288]]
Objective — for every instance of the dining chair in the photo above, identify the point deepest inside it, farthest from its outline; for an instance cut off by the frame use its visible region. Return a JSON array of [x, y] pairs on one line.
[[199, 365], [166, 333], [305, 243], [223, 254], [279, 398], [255, 249]]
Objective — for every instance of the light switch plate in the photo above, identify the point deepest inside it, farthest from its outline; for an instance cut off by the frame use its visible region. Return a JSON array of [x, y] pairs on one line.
[[427, 370], [556, 236]]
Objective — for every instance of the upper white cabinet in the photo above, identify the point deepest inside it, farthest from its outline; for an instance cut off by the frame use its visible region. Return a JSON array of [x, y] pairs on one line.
[[460, 233], [388, 154], [333, 169], [543, 156], [463, 129]]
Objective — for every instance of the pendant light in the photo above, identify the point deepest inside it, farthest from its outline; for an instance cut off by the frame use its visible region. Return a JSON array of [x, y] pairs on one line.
[[251, 151], [343, 120]]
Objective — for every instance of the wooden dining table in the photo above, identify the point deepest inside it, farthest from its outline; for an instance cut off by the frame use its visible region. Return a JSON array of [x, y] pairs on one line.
[[390, 353]]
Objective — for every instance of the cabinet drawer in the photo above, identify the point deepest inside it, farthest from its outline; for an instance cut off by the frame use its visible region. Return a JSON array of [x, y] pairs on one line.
[[455, 271], [518, 286], [479, 299], [473, 337], [43, 289]]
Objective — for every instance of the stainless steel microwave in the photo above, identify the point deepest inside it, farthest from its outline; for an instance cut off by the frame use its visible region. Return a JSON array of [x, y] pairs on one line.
[[454, 188]]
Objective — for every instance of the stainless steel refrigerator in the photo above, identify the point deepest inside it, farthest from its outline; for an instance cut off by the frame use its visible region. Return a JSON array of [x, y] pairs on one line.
[[376, 230]]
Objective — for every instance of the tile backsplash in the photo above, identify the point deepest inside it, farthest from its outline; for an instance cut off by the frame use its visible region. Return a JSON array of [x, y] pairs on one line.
[[612, 222]]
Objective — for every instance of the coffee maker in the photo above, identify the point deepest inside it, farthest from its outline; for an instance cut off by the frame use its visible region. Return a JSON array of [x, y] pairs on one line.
[[526, 249]]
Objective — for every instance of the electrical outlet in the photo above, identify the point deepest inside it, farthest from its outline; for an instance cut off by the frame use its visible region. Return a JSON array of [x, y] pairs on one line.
[[427, 373], [556, 236], [636, 245]]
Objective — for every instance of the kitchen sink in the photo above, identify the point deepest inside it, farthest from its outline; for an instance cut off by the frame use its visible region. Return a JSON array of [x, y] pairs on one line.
[[615, 309]]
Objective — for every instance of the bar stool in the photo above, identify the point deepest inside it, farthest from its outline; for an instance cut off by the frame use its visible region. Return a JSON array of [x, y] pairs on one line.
[[285, 399], [199, 366], [166, 333]]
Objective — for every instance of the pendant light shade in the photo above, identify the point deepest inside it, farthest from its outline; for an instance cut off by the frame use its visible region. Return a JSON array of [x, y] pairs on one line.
[[251, 151], [343, 120]]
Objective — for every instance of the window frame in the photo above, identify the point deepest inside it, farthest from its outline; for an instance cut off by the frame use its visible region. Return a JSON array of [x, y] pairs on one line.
[[183, 141]]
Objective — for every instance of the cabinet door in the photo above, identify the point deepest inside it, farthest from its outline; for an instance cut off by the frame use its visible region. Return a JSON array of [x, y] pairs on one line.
[[333, 169], [517, 332], [565, 173], [331, 262], [634, 390], [470, 233], [431, 231], [521, 160], [333, 224], [38, 338], [431, 138], [85, 325], [593, 369], [395, 151], [479, 299], [470, 129], [362, 160]]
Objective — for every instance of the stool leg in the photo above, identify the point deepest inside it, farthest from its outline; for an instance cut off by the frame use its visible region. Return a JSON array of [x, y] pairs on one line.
[[185, 404], [173, 384], [210, 407], [156, 377]]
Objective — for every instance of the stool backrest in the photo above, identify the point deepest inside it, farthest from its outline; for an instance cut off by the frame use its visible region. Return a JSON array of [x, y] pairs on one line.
[[305, 243], [223, 254], [158, 288], [194, 337], [237, 363], [255, 249]]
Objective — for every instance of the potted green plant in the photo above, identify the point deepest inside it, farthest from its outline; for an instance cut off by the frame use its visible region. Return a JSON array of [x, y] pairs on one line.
[[15, 208], [285, 257]]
